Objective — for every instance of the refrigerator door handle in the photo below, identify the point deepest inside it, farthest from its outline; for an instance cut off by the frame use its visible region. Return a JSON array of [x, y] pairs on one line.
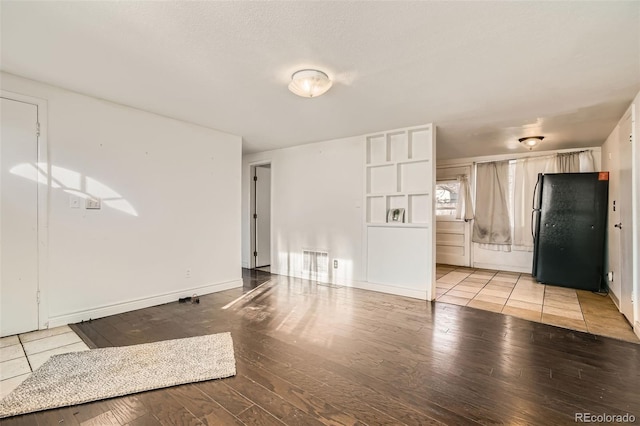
[[535, 193], [533, 235]]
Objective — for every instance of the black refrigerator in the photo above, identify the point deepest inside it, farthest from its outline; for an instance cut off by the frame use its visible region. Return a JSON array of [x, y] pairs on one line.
[[569, 225]]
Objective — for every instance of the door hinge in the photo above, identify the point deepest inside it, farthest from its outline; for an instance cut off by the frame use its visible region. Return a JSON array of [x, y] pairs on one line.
[[37, 129], [255, 178], [255, 254], [255, 215], [38, 296]]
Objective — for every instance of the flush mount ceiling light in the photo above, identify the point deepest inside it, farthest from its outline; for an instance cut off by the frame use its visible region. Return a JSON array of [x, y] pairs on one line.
[[531, 141], [309, 83]]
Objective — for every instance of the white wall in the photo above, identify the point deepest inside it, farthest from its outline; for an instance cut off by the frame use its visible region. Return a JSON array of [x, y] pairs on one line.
[[316, 199], [516, 261], [177, 206]]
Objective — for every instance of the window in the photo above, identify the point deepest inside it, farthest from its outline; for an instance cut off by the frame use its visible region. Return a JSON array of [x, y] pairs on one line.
[[447, 198]]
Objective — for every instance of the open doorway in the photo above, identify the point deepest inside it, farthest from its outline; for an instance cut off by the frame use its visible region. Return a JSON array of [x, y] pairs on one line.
[[261, 217]]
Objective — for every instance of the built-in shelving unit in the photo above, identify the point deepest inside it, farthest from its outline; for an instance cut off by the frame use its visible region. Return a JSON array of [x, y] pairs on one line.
[[400, 174], [398, 170]]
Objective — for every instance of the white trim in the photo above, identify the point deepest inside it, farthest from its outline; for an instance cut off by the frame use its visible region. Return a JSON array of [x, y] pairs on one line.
[[252, 165], [514, 156], [144, 302], [635, 210], [389, 289], [615, 299], [431, 291], [42, 203], [500, 267]]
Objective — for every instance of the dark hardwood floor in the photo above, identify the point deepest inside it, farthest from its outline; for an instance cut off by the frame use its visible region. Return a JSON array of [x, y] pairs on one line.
[[310, 354]]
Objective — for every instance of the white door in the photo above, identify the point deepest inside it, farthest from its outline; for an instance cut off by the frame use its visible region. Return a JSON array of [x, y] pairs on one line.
[[18, 218], [452, 242], [624, 226], [263, 216], [453, 236]]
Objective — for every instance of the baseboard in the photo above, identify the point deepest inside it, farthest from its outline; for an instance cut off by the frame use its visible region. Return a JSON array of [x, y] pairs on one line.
[[636, 329], [498, 267], [389, 289], [615, 299], [145, 302], [365, 285], [245, 265]]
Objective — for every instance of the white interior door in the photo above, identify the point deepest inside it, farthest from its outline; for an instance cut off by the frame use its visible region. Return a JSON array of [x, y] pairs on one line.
[[624, 226], [263, 215], [453, 236], [452, 242], [18, 218]]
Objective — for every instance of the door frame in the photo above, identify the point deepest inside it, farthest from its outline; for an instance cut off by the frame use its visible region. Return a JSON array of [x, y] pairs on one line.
[[444, 176], [635, 209], [252, 205], [42, 203], [625, 264]]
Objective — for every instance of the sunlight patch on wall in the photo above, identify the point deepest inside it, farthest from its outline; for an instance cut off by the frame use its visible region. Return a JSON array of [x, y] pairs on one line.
[[74, 183]]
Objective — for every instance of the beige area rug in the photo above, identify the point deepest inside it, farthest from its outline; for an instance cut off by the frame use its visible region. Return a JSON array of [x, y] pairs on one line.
[[80, 377]]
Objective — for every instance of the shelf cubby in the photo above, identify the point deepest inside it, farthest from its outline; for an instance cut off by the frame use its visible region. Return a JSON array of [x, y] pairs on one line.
[[399, 174], [418, 208], [377, 149], [398, 146], [381, 179], [413, 176], [420, 142], [376, 209]]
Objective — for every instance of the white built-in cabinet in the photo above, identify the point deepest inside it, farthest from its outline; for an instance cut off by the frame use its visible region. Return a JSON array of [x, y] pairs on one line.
[[400, 173]]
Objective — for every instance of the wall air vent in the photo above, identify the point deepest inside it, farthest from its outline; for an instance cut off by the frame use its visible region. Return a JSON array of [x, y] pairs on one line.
[[315, 264]]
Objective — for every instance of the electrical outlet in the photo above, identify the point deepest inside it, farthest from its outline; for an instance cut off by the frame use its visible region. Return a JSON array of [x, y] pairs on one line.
[[74, 201], [92, 204], [187, 273], [335, 264], [610, 276]]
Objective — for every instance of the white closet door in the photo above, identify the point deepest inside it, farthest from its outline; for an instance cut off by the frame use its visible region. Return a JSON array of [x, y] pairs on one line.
[[18, 218]]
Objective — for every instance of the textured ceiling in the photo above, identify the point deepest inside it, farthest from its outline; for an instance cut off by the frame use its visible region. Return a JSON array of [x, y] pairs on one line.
[[485, 73]]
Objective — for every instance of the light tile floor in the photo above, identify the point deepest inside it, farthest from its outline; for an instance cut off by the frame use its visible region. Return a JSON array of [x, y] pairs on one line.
[[520, 295], [21, 355]]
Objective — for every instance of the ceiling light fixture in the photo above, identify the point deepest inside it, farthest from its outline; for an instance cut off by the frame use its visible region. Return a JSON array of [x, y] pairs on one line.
[[309, 83], [531, 141]]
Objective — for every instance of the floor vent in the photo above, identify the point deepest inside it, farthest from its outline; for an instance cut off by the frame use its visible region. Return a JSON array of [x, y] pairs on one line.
[[315, 264]]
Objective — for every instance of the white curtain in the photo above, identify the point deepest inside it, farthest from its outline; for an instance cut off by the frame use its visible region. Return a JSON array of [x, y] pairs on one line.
[[526, 176], [568, 162], [587, 164], [575, 162], [464, 205], [491, 225]]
